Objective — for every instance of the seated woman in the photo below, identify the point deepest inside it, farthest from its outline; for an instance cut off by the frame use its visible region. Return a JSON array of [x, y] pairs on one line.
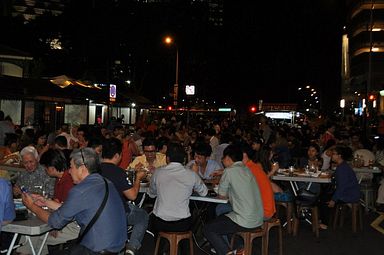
[[40, 142], [265, 158], [312, 162]]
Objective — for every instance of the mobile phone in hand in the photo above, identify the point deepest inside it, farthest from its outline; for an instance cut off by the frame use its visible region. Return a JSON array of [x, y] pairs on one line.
[[24, 189]]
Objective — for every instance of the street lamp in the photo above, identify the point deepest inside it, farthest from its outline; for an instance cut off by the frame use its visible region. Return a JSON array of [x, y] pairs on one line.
[[169, 41]]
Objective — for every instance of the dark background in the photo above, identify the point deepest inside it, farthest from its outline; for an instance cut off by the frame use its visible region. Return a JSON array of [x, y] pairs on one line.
[[264, 50]]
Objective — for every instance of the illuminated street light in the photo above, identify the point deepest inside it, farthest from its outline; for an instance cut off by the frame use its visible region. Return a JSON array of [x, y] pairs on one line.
[[169, 41]]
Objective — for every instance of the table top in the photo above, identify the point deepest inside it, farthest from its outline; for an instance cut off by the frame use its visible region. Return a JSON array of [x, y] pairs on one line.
[[209, 199], [31, 226], [300, 176], [144, 187], [365, 169]]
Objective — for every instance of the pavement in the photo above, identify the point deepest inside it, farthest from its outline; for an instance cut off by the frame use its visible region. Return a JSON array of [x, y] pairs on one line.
[[330, 242]]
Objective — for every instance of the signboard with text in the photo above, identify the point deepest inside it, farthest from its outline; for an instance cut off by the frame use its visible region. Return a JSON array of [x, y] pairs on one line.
[[112, 92]]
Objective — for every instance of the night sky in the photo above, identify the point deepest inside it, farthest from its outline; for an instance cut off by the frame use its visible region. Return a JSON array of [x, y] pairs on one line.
[[284, 46], [265, 50]]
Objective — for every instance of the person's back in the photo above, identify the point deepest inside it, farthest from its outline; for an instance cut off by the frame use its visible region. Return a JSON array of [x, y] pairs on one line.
[[176, 184], [83, 201], [265, 188], [7, 208], [173, 185], [244, 195], [240, 187], [137, 218]]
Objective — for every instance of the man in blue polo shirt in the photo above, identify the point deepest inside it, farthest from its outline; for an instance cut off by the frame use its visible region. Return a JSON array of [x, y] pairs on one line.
[[7, 208], [109, 232]]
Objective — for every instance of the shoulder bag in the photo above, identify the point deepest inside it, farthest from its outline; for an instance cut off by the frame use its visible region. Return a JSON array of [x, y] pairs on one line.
[[74, 247]]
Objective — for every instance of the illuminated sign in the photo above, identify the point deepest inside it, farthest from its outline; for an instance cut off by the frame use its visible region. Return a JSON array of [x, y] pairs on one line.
[[224, 109], [190, 90], [279, 115], [112, 92]]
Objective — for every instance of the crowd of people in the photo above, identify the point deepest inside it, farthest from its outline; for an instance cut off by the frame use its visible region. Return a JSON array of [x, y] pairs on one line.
[[79, 170]]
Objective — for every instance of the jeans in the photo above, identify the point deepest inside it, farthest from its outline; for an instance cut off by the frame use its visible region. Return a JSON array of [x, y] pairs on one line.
[[138, 219], [223, 209], [216, 229]]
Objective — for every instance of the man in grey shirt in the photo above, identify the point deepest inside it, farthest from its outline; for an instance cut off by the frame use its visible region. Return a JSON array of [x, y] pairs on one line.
[[173, 185], [240, 187]]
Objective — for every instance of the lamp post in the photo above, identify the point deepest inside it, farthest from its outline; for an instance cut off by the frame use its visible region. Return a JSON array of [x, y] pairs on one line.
[[169, 41]]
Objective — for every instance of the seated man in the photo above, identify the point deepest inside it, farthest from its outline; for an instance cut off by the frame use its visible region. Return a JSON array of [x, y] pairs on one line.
[[136, 217], [34, 179], [240, 186], [57, 167], [151, 158], [202, 165], [173, 184], [108, 234]]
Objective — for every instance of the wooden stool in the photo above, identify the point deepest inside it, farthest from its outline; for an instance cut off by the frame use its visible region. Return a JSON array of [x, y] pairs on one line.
[[248, 238], [356, 213], [273, 222], [289, 213], [174, 238], [315, 219]]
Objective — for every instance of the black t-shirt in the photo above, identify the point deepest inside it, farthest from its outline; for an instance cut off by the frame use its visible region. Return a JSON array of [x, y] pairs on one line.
[[118, 177]]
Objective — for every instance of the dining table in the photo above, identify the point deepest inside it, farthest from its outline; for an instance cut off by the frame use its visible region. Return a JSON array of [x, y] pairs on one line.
[[299, 175], [32, 226]]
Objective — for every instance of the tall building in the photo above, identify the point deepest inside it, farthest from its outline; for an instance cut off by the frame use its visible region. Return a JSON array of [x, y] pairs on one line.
[[30, 9], [216, 12], [363, 53]]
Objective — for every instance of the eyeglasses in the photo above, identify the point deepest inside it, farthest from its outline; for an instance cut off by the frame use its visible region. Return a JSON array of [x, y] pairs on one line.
[[82, 157], [153, 151]]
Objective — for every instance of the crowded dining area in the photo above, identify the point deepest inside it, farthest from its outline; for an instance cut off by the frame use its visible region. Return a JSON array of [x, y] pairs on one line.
[[214, 185]]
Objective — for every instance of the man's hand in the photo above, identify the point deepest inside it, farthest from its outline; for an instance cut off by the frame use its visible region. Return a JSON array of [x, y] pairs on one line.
[[217, 173], [331, 204], [151, 168], [16, 191], [54, 233], [141, 174], [138, 167], [195, 168], [27, 200], [39, 200]]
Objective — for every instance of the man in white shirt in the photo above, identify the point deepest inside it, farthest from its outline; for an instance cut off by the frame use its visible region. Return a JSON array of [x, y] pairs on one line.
[[173, 185]]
